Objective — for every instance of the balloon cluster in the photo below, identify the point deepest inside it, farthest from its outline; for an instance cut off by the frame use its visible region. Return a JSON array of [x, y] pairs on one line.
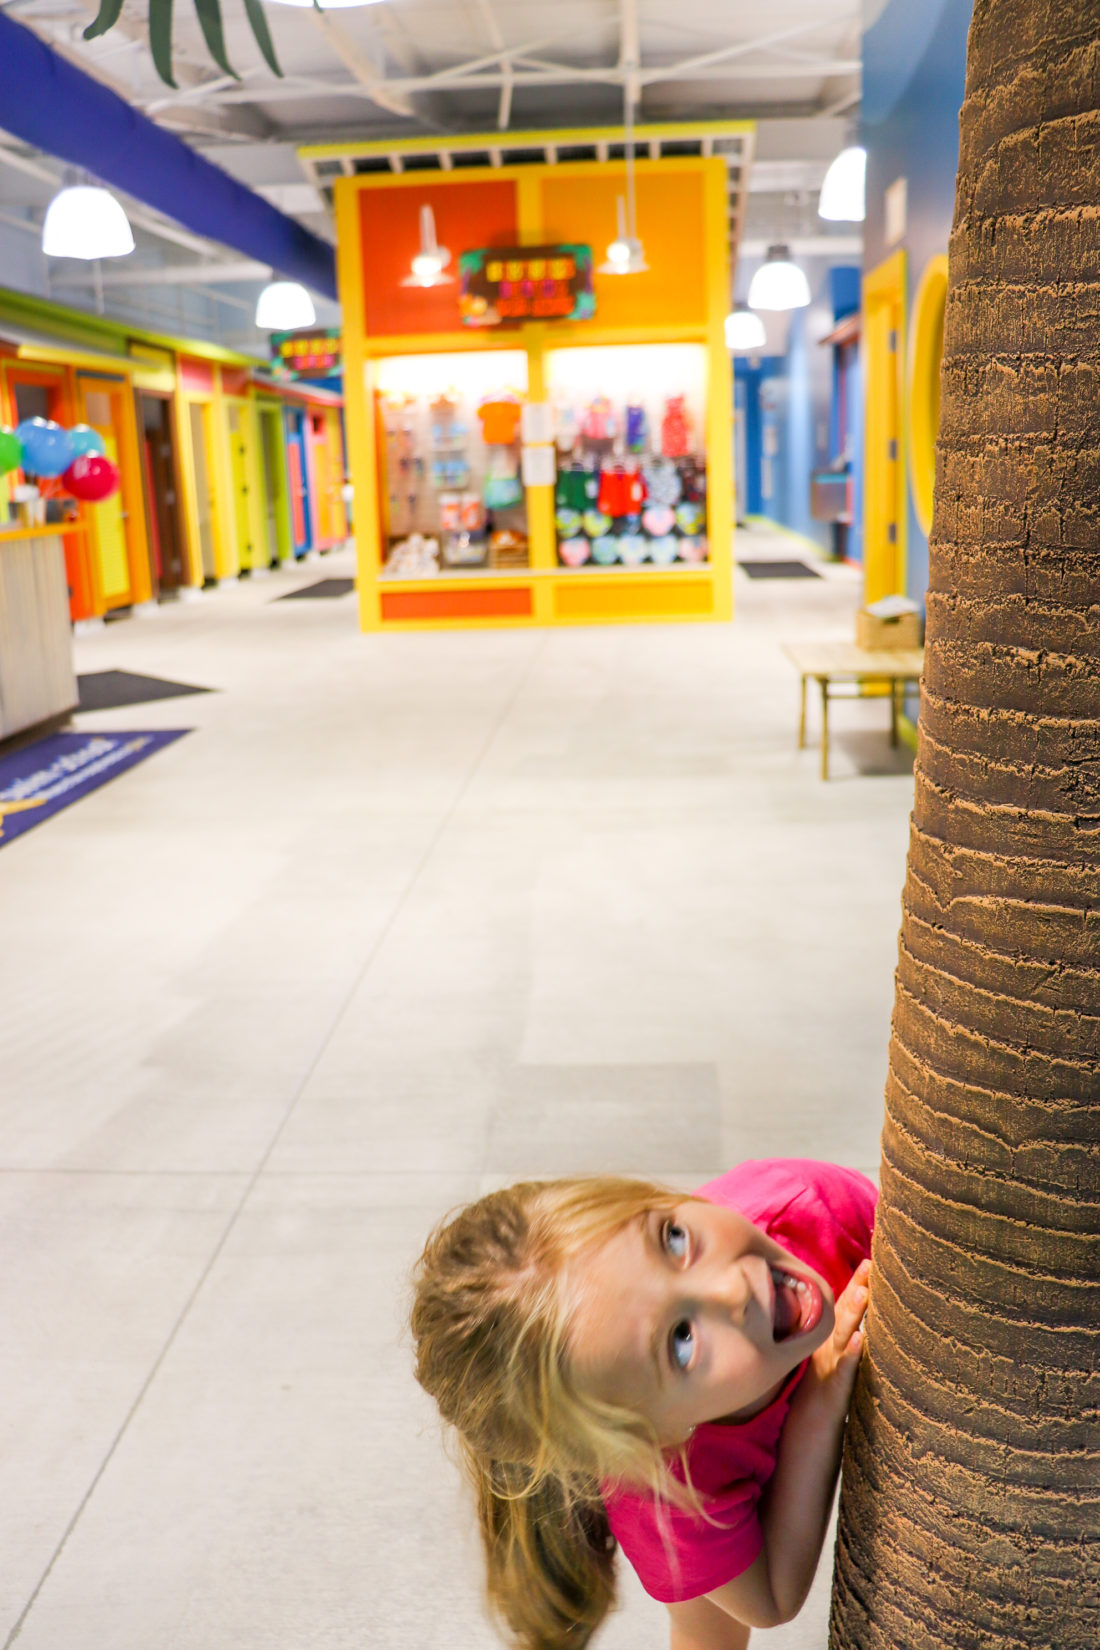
[[76, 457]]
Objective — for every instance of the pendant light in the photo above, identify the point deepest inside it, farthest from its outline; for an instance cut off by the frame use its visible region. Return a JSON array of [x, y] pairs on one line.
[[86, 221], [284, 306], [779, 283], [745, 333], [626, 254], [430, 262], [842, 193]]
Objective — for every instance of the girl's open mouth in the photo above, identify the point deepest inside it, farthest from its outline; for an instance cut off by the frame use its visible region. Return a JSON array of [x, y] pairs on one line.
[[797, 1306]]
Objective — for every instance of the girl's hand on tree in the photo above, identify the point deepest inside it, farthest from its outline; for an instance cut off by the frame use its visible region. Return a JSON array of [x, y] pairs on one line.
[[835, 1363]]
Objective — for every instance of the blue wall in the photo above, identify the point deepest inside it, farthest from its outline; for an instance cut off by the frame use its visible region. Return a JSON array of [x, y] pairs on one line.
[[788, 404], [914, 63]]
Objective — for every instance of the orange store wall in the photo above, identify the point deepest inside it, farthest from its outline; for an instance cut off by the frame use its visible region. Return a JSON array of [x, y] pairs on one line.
[[466, 215], [669, 209]]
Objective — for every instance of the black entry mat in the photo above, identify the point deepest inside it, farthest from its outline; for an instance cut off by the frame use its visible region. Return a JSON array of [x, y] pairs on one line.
[[107, 689], [323, 587], [778, 570]]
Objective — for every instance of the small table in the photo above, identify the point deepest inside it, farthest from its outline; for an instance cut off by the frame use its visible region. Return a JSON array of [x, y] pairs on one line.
[[843, 662]]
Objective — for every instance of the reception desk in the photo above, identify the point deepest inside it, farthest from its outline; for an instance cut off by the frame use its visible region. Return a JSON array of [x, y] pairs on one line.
[[37, 680]]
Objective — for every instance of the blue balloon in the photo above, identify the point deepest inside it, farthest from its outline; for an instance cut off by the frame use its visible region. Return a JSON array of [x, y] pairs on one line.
[[47, 448], [86, 440]]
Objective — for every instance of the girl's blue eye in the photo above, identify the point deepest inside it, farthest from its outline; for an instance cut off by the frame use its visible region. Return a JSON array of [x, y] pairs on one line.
[[682, 1344], [676, 1240]]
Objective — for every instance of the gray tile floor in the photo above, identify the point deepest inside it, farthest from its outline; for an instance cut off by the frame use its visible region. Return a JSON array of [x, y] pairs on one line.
[[405, 917]]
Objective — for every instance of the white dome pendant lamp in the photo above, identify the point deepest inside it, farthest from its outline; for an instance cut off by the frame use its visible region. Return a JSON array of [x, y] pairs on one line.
[[429, 264], [779, 283], [284, 306], [86, 221], [842, 198], [745, 333]]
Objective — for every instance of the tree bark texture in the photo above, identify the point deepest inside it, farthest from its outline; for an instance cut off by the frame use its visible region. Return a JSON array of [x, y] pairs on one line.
[[970, 1509]]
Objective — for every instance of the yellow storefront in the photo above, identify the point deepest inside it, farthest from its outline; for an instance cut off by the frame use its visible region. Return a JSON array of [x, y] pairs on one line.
[[573, 469]]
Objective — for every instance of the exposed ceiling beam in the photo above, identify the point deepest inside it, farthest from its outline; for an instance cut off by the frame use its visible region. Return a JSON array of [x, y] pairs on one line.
[[204, 274], [291, 90], [370, 77], [496, 39], [686, 67]]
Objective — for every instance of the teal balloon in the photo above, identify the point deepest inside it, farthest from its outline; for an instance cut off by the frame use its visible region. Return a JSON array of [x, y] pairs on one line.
[[11, 451], [85, 440], [47, 448]]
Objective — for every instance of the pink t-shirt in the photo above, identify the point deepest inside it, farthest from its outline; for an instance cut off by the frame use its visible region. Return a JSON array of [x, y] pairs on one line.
[[823, 1215]]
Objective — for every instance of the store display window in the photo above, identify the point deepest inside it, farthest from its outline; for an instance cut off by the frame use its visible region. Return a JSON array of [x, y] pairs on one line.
[[449, 457], [631, 465]]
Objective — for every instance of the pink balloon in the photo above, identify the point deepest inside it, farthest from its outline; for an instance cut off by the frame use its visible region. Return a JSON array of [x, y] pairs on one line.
[[91, 477]]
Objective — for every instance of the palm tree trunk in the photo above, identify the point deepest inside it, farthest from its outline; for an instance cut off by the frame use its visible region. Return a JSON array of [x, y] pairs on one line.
[[970, 1512]]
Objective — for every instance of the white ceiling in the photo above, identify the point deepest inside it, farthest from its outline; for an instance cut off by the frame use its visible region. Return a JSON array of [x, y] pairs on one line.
[[408, 68]]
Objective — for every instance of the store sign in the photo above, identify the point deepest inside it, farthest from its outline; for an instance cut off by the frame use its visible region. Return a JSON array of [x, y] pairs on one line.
[[312, 353], [526, 283]]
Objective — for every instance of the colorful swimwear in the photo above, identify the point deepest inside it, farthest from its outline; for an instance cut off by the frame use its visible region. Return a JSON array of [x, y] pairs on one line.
[[689, 517], [675, 428], [658, 521], [636, 428], [567, 522], [574, 552], [662, 480], [499, 421], [633, 548], [665, 550], [595, 522], [605, 550]]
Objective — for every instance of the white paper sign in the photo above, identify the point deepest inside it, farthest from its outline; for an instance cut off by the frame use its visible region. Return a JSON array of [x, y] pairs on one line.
[[537, 422], [539, 466]]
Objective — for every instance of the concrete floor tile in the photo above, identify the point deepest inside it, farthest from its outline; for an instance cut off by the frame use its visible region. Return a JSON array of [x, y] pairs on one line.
[[403, 918]]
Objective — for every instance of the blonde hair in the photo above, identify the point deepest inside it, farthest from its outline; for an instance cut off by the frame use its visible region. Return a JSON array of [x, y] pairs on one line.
[[491, 1319]]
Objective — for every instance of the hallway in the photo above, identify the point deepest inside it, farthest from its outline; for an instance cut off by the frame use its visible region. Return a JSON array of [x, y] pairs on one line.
[[403, 918]]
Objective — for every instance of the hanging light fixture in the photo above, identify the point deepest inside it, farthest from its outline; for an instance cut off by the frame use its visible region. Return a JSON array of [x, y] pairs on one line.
[[283, 306], [842, 192], [779, 283], [429, 263], [744, 331], [626, 254], [86, 221]]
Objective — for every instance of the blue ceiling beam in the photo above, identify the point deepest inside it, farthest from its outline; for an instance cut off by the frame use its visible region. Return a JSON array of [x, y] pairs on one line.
[[47, 102]]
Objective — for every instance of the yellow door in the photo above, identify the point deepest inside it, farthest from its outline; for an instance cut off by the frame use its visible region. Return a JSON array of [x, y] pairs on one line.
[[884, 498], [238, 458], [107, 518]]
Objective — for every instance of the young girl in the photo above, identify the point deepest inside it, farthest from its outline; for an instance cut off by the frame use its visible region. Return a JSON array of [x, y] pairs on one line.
[[628, 1366]]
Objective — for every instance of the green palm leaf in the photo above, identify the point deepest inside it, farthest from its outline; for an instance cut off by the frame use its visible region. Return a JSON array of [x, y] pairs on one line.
[[263, 35], [210, 21], [105, 19], [160, 38]]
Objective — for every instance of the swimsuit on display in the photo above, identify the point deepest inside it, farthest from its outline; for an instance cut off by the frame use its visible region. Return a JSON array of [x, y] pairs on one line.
[[636, 428], [621, 491], [662, 480], [499, 421], [675, 434], [689, 517], [633, 548], [596, 522], [574, 552], [605, 550], [658, 520], [664, 550], [576, 488]]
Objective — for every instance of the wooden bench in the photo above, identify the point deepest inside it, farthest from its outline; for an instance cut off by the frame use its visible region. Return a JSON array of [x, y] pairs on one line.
[[843, 664]]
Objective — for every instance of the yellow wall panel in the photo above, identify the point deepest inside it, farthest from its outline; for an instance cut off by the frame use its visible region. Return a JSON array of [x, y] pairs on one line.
[[670, 214]]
